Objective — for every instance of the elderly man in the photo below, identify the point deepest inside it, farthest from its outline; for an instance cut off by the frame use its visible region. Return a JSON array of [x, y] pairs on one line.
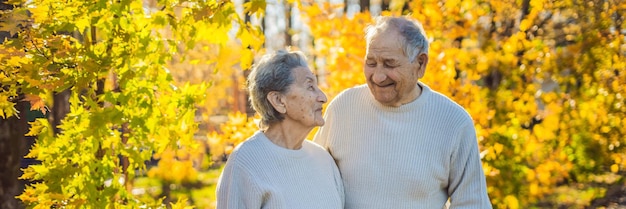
[[397, 142]]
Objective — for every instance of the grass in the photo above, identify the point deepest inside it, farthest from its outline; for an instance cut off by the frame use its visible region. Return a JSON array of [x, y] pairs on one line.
[[200, 194]]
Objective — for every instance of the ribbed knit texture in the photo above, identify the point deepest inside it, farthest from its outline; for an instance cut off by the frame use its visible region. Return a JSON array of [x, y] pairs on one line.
[[414, 156], [260, 174]]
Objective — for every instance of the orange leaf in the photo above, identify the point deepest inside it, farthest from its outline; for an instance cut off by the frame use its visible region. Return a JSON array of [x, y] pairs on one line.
[[36, 103]]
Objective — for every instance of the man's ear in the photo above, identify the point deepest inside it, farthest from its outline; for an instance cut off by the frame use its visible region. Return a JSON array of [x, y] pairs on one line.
[[276, 99], [422, 60]]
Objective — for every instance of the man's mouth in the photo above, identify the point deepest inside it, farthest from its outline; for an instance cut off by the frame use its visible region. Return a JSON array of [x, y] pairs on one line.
[[385, 85]]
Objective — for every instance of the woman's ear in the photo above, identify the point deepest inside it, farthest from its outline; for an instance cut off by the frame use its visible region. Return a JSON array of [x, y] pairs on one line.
[[422, 60], [276, 99]]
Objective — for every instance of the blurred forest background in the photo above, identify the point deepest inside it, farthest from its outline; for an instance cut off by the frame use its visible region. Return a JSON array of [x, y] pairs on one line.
[[129, 103]]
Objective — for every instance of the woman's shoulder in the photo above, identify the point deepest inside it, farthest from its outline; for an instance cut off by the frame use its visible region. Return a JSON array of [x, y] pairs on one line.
[[308, 144], [314, 148], [246, 149]]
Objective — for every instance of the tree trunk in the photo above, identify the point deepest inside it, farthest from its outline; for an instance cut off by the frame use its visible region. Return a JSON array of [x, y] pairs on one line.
[[287, 23], [60, 108], [12, 145], [12, 150], [385, 5], [365, 5]]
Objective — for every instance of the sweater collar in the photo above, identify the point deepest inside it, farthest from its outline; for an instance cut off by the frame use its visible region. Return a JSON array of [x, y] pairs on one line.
[[422, 99], [299, 153]]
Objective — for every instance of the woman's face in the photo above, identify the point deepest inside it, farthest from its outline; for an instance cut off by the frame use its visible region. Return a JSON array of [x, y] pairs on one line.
[[304, 99]]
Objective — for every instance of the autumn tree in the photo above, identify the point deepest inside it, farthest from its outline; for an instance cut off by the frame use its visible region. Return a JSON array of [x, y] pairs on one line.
[[110, 58], [12, 131], [540, 78]]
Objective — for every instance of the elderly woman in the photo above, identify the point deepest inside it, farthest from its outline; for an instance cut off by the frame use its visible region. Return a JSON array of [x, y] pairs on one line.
[[276, 167]]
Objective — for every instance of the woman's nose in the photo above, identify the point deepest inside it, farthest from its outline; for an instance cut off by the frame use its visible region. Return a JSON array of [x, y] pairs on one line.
[[322, 97]]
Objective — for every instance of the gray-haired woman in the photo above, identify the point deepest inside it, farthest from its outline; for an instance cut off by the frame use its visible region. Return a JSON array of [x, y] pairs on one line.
[[276, 167]]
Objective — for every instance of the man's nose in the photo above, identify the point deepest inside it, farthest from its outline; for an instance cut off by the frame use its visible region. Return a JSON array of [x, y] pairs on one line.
[[378, 76]]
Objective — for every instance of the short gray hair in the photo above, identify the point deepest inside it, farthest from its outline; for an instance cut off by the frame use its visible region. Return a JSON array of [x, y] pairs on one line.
[[415, 40], [272, 73]]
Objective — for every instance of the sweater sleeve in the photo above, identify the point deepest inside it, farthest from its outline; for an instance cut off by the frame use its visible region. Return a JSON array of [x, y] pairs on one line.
[[236, 188], [467, 187], [339, 184]]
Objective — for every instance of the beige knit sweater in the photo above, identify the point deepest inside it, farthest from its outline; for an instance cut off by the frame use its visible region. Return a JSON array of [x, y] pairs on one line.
[[414, 156], [260, 174]]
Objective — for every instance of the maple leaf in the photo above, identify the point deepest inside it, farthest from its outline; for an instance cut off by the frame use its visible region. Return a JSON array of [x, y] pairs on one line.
[[255, 7], [13, 21], [36, 103]]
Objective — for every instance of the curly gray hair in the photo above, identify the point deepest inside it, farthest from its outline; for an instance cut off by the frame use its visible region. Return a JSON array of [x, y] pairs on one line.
[[272, 73]]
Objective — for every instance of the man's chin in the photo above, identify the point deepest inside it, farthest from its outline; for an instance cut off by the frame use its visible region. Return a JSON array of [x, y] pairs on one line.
[[384, 101], [387, 100], [382, 97]]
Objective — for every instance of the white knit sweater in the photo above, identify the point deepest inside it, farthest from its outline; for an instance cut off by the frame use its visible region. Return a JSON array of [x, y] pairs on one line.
[[414, 156], [260, 174]]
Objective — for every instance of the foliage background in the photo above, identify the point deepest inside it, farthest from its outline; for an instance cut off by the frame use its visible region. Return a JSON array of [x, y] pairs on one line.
[[543, 81]]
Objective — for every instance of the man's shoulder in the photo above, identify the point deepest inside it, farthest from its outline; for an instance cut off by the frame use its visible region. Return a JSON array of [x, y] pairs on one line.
[[351, 93], [443, 99], [355, 90], [447, 104]]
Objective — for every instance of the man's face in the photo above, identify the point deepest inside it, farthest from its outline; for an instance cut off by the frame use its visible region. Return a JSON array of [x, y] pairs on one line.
[[390, 75]]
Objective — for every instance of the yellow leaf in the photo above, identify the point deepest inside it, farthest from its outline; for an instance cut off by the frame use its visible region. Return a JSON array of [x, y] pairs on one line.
[[82, 24], [255, 7], [29, 173], [29, 195], [57, 196], [614, 168], [13, 23], [530, 175], [544, 176], [34, 152], [534, 189], [617, 158], [498, 148], [511, 201], [181, 204], [15, 60], [36, 127]]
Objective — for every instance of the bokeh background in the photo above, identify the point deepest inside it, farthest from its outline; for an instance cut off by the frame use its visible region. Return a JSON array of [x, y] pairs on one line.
[[137, 103]]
